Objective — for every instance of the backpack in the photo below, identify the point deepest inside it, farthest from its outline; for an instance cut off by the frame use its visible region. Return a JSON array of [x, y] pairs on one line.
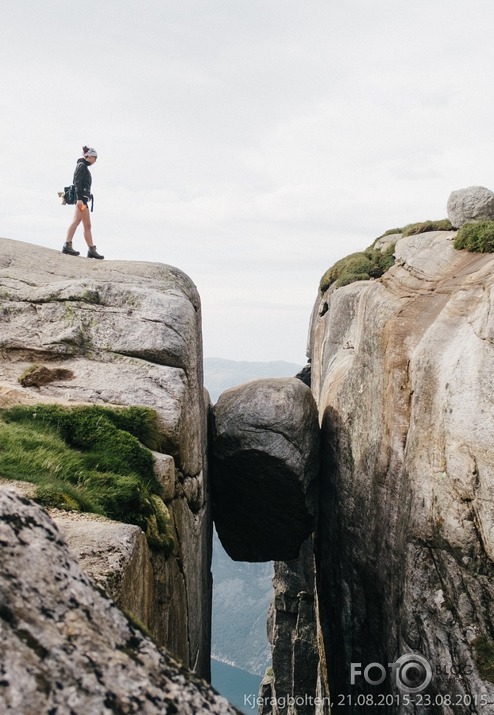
[[68, 195]]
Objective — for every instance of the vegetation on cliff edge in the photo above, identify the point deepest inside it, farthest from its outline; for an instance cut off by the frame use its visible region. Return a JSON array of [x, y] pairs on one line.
[[477, 237], [374, 262], [413, 229], [89, 459], [361, 266]]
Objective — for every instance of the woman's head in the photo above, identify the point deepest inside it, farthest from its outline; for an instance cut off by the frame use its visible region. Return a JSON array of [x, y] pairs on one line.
[[89, 153]]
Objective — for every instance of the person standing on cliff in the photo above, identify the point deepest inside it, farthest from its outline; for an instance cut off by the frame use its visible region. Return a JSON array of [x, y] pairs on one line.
[[82, 183]]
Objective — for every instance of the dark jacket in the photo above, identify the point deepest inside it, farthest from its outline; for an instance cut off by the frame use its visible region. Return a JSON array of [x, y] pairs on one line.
[[82, 180]]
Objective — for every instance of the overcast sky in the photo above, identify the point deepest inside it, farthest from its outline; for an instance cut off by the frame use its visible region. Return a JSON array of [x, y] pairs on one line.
[[250, 143]]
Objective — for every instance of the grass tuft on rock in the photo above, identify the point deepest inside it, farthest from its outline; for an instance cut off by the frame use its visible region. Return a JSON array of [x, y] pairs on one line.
[[371, 263], [89, 459], [412, 229], [32, 369], [476, 237]]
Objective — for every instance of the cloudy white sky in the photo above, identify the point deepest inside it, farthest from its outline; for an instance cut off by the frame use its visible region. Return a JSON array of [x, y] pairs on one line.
[[250, 143]]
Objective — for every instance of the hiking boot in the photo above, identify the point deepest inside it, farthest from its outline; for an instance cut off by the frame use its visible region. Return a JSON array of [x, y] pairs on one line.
[[67, 248], [93, 253]]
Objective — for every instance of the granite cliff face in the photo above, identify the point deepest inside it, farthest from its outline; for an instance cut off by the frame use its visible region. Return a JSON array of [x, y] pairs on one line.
[[122, 334], [399, 576], [402, 375], [65, 647], [292, 632]]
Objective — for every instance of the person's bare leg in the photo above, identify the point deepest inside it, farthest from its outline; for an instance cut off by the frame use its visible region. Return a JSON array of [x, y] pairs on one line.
[[73, 226], [86, 222]]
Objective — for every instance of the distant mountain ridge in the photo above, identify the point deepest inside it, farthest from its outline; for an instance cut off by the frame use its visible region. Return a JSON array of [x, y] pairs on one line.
[[221, 374]]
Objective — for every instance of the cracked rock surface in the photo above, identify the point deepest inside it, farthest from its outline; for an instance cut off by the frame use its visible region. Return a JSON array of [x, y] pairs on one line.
[[122, 333], [64, 647]]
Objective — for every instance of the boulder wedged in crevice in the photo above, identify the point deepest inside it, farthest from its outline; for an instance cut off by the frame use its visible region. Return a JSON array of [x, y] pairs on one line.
[[265, 456]]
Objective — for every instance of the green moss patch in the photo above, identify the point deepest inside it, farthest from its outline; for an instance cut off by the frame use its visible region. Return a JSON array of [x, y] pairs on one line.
[[89, 459], [425, 226], [412, 229], [371, 263], [483, 651], [477, 237]]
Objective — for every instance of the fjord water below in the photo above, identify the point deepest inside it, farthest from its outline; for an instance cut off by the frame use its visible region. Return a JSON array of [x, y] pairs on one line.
[[238, 686]]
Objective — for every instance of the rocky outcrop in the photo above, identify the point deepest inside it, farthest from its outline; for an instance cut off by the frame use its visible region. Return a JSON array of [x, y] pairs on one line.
[[402, 375], [265, 467], [67, 648], [469, 205], [117, 558], [114, 555], [292, 686], [121, 333]]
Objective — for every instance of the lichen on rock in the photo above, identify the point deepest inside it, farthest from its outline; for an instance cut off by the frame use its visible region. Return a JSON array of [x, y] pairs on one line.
[[67, 648]]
